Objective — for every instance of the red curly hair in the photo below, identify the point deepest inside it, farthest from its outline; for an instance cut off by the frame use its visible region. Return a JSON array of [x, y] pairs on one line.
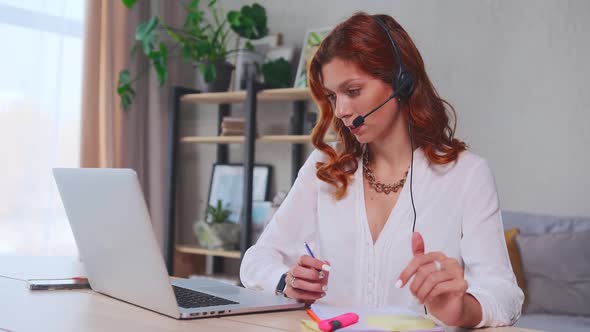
[[361, 41]]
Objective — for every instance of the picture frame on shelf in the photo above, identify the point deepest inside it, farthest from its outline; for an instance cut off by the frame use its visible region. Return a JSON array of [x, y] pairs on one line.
[[227, 183], [311, 42], [246, 58], [262, 213]]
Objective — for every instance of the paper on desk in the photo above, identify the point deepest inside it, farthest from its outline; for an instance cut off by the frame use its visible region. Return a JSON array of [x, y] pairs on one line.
[[379, 319], [309, 326]]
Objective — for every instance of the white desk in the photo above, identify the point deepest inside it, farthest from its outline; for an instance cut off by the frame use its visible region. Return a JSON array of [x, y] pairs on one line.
[[85, 310]]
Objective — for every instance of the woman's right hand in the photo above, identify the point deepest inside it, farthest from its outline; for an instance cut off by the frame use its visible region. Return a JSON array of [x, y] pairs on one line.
[[307, 280]]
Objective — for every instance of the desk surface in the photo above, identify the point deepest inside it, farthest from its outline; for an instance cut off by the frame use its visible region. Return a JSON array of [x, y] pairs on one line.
[[85, 310]]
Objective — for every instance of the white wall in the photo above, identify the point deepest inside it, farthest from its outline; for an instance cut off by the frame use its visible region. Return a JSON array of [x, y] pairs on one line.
[[516, 72]]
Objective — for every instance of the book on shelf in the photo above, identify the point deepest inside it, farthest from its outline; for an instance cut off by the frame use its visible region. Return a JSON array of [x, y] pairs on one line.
[[233, 120], [232, 132], [233, 126]]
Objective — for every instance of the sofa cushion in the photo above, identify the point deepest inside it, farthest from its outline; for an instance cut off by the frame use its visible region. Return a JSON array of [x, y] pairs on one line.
[[528, 223], [554, 323], [515, 259], [557, 272]]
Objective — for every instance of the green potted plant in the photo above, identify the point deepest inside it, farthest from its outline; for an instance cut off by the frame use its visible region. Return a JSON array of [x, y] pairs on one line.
[[216, 232], [202, 39], [276, 73]]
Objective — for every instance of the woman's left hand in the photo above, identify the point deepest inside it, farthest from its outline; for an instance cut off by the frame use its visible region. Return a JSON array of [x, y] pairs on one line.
[[438, 283]]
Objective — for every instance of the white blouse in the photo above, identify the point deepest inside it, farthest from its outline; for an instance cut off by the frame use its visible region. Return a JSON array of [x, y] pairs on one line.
[[458, 214]]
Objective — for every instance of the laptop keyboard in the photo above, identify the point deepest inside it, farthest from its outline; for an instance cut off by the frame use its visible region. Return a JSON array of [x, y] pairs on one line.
[[188, 298]]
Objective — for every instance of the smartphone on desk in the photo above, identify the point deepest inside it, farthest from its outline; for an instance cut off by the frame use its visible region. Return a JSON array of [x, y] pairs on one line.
[[55, 284]]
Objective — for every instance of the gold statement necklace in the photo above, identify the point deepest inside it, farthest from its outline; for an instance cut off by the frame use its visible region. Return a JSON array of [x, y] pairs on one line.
[[378, 186]]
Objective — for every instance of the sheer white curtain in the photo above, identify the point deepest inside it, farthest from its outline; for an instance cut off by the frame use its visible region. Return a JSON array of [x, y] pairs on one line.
[[40, 89]]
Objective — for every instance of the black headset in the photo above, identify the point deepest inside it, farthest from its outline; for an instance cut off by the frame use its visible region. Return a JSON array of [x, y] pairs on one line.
[[403, 83], [403, 86]]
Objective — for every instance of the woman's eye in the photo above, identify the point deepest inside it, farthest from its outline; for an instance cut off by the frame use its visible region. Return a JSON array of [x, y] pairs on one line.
[[354, 92], [331, 97]]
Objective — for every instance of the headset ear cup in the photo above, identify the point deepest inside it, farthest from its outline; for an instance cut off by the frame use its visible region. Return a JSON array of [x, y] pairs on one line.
[[404, 84]]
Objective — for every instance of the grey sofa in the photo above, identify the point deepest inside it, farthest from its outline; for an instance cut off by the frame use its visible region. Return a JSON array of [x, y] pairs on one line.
[[555, 255]]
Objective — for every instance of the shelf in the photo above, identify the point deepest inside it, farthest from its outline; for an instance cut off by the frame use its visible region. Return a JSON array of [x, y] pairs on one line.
[[290, 94], [201, 251], [297, 96], [240, 139]]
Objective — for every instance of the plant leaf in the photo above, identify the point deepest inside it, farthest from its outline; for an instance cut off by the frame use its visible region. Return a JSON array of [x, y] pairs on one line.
[[249, 22], [314, 39], [208, 71], [215, 39], [162, 66], [194, 4], [175, 36], [249, 46], [233, 17], [126, 101], [277, 73], [202, 47], [125, 89], [160, 61], [145, 33], [124, 77], [144, 29], [129, 3], [194, 17], [218, 213]]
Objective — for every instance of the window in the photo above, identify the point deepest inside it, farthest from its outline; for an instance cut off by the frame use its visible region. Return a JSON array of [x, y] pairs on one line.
[[40, 92]]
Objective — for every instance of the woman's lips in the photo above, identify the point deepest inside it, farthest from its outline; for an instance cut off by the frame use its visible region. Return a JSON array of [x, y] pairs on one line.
[[355, 130]]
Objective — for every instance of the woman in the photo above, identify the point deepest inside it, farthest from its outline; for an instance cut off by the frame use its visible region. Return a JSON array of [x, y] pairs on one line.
[[354, 207]]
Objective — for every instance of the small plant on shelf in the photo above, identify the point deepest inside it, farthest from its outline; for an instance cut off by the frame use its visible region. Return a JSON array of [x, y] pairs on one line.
[[218, 214], [217, 232]]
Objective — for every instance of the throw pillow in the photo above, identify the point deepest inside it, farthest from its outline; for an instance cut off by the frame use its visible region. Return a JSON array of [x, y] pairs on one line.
[[557, 272]]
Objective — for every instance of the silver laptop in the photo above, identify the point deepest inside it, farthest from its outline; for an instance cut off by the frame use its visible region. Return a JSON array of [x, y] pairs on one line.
[[111, 224]]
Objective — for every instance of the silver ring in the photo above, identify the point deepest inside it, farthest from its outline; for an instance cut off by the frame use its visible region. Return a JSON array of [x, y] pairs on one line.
[[437, 266], [292, 281]]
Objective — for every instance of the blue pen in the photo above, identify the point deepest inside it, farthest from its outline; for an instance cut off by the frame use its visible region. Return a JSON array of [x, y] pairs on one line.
[[308, 249], [325, 267]]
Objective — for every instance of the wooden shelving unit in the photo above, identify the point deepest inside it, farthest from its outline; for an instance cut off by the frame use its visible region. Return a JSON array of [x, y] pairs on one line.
[[232, 97], [250, 98]]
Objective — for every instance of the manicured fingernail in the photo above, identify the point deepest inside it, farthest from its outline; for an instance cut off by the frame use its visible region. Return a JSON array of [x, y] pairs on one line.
[[324, 288], [323, 294], [326, 267], [321, 276], [398, 283], [417, 301]]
